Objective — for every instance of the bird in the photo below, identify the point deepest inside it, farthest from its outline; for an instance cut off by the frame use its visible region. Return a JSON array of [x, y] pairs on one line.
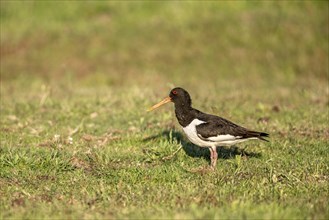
[[207, 130]]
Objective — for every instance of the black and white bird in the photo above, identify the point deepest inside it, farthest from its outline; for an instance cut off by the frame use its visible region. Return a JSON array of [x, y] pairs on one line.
[[207, 130]]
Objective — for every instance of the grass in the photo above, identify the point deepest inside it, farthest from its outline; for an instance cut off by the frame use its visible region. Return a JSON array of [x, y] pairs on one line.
[[76, 141]]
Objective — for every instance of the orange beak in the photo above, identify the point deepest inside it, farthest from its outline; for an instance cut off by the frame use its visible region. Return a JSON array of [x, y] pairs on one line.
[[166, 100]]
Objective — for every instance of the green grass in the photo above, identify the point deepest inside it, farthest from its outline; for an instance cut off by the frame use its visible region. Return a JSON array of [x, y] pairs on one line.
[[76, 80]]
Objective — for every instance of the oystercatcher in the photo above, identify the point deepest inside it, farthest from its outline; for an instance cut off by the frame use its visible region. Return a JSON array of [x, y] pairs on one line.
[[207, 130]]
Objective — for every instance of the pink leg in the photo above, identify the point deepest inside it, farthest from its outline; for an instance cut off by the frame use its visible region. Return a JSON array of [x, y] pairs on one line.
[[213, 157]]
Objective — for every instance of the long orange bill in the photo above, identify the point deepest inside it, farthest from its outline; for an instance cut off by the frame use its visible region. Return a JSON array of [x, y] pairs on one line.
[[166, 100]]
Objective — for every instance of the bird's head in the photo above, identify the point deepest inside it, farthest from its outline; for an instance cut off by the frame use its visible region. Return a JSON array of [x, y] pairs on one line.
[[178, 96]]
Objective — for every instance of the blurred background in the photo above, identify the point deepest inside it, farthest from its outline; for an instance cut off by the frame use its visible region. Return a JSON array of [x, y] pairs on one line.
[[161, 44], [76, 80], [242, 60]]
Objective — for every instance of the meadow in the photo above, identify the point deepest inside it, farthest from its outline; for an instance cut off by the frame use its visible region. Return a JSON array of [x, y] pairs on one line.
[[77, 78]]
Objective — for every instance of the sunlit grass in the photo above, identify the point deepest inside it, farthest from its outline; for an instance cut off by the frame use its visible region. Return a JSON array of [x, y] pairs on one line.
[[77, 142]]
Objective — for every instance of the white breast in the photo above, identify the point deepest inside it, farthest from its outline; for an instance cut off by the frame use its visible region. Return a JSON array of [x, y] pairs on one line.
[[192, 135]]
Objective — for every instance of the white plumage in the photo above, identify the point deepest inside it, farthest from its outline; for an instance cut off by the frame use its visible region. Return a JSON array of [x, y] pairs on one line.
[[192, 135]]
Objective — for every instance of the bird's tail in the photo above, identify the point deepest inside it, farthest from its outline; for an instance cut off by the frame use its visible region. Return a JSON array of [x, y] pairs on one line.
[[259, 135], [262, 135]]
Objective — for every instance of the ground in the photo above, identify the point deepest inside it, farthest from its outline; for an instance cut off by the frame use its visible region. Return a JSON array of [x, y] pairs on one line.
[[77, 79]]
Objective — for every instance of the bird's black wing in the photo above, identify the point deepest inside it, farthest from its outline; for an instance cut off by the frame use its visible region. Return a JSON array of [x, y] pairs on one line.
[[220, 129]]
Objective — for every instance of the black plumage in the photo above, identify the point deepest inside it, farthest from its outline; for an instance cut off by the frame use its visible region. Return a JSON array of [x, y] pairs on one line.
[[207, 130], [214, 125]]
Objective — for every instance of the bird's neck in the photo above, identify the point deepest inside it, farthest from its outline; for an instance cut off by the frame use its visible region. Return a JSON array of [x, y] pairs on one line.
[[184, 114]]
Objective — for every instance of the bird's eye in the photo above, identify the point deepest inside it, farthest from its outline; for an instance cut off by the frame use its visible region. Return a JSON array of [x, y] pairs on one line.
[[174, 92]]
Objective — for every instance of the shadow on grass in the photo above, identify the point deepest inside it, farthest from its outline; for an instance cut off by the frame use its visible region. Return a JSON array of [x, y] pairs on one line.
[[196, 151]]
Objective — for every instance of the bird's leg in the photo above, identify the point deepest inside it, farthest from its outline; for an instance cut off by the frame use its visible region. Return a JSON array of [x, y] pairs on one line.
[[213, 160], [213, 156]]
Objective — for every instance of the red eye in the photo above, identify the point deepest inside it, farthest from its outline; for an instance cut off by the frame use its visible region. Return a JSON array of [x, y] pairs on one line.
[[174, 92]]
